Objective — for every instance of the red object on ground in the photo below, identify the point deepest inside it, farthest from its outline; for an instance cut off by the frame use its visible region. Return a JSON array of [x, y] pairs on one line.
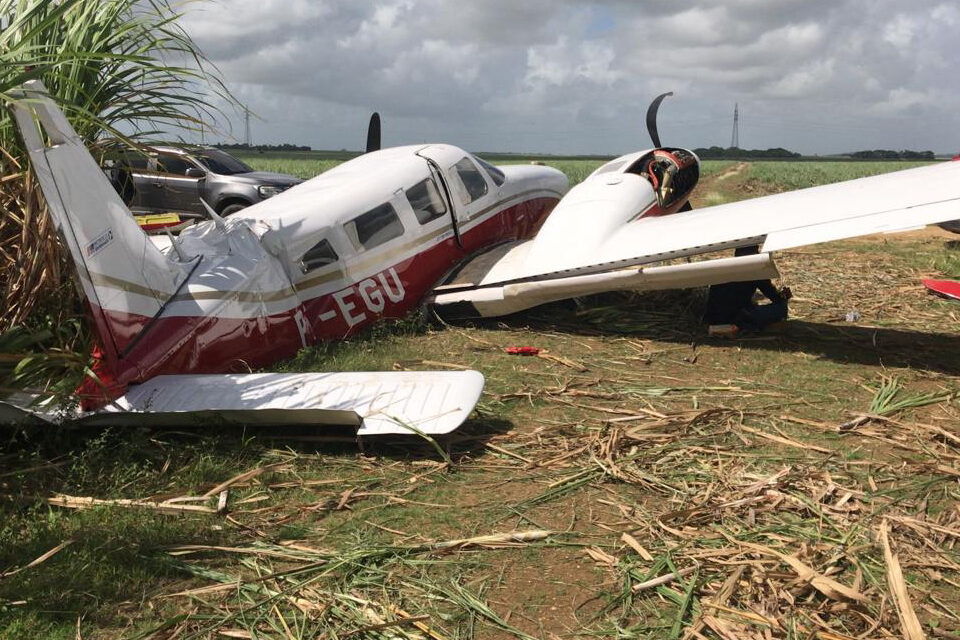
[[957, 157], [946, 288], [522, 351]]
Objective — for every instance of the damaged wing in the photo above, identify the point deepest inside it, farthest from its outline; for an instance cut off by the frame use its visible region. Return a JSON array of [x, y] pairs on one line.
[[405, 402], [594, 242]]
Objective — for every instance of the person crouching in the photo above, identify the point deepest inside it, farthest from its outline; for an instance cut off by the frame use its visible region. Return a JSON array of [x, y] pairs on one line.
[[732, 302]]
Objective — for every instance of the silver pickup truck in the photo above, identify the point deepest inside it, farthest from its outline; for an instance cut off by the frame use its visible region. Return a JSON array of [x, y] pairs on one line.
[[175, 179]]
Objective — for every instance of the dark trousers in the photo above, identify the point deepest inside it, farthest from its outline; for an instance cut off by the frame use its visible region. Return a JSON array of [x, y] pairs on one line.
[[757, 316]]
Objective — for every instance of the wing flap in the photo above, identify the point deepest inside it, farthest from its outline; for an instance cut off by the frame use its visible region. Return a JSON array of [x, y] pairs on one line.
[[498, 300]]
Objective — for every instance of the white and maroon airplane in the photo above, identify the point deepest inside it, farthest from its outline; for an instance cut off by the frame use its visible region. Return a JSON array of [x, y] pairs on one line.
[[381, 234]]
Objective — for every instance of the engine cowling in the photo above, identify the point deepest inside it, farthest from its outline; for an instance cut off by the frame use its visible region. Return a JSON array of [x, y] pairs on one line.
[[672, 172]]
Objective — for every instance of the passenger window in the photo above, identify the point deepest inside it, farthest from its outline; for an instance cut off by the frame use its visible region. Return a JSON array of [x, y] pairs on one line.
[[496, 175], [472, 179], [173, 164], [374, 227], [426, 201], [320, 255]]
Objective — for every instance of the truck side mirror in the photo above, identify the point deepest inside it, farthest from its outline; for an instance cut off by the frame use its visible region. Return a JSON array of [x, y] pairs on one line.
[[193, 172]]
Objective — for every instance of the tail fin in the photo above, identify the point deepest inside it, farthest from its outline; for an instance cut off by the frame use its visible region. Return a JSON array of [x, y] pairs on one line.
[[125, 278]]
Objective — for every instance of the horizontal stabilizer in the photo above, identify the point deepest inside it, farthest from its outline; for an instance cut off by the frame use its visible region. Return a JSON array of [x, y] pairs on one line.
[[15, 415], [402, 402]]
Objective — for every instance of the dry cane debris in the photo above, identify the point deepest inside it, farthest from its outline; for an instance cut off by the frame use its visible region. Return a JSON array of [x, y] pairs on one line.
[[708, 505]]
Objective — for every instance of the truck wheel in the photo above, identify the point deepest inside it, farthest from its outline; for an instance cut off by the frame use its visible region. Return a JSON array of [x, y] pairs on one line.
[[233, 208]]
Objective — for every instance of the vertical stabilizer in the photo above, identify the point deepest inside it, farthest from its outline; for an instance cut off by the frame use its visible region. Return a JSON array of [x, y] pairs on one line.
[[125, 278]]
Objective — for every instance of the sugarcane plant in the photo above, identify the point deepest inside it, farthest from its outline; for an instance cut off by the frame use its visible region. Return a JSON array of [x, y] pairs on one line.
[[125, 73]]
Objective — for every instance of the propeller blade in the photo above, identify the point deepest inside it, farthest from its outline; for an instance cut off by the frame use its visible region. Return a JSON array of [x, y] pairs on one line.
[[652, 118], [373, 133]]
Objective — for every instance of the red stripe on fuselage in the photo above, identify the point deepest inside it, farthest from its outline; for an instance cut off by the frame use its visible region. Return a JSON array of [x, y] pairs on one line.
[[207, 344]]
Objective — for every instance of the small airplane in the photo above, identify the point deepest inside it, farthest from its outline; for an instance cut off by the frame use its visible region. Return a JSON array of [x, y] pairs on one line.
[[393, 229]]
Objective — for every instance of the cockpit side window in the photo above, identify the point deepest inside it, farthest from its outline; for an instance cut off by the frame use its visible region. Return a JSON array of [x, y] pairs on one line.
[[473, 181], [496, 175], [373, 228], [320, 255], [426, 201]]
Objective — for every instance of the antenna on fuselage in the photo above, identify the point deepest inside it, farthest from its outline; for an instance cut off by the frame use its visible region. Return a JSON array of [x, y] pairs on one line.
[[175, 244], [217, 220], [373, 133]]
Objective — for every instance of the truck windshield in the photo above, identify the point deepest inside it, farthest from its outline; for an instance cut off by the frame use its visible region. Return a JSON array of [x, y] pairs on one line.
[[220, 162]]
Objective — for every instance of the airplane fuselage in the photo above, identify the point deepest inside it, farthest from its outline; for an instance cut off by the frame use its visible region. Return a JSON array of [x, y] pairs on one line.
[[362, 242]]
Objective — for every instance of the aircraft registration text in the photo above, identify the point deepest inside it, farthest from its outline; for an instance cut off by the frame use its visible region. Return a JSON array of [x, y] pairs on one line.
[[367, 296]]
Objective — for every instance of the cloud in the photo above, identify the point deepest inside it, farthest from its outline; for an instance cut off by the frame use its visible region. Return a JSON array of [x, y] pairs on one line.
[[576, 75]]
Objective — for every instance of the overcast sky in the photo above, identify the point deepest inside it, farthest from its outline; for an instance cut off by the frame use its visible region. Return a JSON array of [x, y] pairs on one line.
[[575, 76]]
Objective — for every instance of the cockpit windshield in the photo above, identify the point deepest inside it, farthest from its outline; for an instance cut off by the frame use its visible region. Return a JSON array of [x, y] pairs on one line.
[[495, 174]]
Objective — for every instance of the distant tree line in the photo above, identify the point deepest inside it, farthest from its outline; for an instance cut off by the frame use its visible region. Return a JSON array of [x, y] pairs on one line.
[[718, 153], [286, 146], [889, 154], [779, 153]]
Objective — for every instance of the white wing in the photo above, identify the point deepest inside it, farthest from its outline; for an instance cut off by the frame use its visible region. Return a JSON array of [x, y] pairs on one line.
[[888, 203], [593, 234], [432, 402]]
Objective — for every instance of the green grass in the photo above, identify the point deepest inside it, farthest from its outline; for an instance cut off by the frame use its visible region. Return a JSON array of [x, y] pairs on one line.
[[788, 176], [115, 553]]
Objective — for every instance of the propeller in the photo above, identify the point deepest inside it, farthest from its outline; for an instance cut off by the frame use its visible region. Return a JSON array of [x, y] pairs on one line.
[[373, 133], [652, 118], [655, 135]]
